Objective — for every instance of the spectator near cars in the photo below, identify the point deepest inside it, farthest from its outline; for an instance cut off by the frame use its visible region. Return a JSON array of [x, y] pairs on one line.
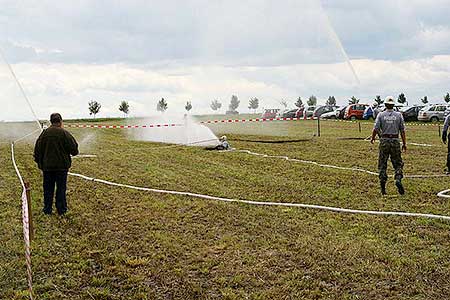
[[433, 113], [369, 113], [340, 113], [355, 111]]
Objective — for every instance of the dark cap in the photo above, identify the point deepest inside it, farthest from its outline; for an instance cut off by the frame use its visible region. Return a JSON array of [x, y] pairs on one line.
[[55, 118]]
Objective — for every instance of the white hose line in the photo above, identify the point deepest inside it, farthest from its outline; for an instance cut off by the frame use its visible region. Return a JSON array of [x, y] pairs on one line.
[[262, 203], [443, 194], [27, 135], [332, 166]]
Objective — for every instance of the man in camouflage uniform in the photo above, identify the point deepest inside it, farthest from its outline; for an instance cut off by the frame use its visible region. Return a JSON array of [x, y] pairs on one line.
[[388, 125]]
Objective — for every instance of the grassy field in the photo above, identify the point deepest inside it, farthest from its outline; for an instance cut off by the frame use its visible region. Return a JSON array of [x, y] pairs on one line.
[[117, 243]]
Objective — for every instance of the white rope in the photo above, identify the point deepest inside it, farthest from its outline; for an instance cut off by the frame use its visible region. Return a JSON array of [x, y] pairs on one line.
[[332, 166], [300, 205]]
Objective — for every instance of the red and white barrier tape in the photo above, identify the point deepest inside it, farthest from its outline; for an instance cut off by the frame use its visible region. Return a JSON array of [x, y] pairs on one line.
[[25, 225], [228, 121], [255, 120], [120, 126], [262, 203]]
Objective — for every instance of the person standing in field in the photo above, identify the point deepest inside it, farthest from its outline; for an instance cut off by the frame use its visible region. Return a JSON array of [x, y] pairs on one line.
[[52, 154], [444, 140], [388, 125]]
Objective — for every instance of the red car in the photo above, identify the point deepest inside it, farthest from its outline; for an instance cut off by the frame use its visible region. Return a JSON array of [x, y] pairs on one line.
[[355, 111], [270, 113]]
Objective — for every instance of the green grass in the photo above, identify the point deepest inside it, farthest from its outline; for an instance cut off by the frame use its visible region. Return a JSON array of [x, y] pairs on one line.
[[117, 243]]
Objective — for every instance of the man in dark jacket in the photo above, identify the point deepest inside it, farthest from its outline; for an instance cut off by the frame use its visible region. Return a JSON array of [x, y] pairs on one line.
[[52, 154]]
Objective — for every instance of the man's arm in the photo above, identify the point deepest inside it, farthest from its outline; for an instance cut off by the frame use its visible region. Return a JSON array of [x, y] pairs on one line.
[[444, 131], [38, 151], [376, 129], [72, 144], [403, 135], [402, 132]]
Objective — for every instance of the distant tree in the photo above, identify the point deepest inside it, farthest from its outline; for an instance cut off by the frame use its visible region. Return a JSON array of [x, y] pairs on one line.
[[162, 105], [94, 108], [215, 105], [299, 102], [124, 107], [353, 100], [253, 103], [312, 101], [401, 98], [447, 98], [234, 103], [331, 101], [188, 106], [424, 100], [378, 100], [284, 103]]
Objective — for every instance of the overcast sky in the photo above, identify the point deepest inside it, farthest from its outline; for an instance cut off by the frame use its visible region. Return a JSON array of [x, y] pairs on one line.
[[66, 53]]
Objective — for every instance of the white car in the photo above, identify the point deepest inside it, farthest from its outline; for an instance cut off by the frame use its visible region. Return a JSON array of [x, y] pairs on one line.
[[433, 113]]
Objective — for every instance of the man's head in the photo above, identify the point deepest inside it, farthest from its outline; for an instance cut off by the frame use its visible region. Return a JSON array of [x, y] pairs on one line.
[[223, 138], [56, 119], [389, 102]]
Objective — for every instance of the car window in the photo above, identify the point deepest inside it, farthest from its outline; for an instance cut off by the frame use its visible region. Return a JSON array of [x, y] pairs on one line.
[[432, 108], [441, 108]]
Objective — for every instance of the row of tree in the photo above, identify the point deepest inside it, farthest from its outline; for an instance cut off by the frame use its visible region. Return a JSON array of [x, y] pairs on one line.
[[124, 107]]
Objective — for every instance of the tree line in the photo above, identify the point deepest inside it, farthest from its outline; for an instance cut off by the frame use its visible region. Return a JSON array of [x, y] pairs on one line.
[[253, 103]]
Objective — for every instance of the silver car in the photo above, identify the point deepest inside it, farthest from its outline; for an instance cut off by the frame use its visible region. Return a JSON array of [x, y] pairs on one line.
[[433, 113]]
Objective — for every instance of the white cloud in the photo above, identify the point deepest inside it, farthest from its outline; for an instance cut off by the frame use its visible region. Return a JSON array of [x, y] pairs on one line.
[[68, 87]]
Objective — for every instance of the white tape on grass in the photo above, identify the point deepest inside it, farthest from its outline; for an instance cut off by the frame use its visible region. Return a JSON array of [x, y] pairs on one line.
[[263, 203]]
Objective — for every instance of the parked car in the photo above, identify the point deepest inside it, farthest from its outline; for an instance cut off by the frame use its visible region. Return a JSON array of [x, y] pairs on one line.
[[331, 114], [231, 112], [433, 113], [323, 109], [355, 111], [340, 113], [270, 113], [309, 111], [293, 113], [410, 113]]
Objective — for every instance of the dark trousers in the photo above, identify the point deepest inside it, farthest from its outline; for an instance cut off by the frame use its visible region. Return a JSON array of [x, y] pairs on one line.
[[50, 179], [390, 148], [448, 154]]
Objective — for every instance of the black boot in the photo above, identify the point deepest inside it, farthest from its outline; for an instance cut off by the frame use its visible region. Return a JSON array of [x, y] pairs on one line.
[[399, 185], [383, 188]]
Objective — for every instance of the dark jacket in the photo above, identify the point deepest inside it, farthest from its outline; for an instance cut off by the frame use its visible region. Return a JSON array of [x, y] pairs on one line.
[[53, 149]]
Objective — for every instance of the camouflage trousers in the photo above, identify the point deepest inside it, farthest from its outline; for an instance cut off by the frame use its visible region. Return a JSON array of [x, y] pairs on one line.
[[390, 148]]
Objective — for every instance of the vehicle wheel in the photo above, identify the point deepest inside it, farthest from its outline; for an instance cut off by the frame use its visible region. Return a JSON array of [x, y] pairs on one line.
[[434, 119], [333, 117], [353, 118]]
